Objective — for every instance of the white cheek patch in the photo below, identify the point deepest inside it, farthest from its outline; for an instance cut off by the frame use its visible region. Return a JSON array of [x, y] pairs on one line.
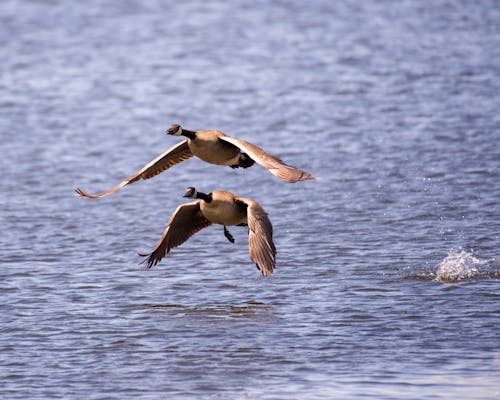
[[179, 132]]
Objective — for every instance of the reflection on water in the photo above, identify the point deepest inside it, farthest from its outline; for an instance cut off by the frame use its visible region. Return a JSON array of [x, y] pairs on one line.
[[228, 311]]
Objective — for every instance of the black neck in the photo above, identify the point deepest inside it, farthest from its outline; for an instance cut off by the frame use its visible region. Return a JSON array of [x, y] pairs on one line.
[[188, 134], [205, 197]]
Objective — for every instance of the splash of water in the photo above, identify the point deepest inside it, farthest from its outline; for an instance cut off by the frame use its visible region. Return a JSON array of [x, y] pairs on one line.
[[457, 266]]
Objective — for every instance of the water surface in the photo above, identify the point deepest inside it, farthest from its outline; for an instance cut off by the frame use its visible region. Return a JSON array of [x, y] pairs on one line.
[[388, 267]]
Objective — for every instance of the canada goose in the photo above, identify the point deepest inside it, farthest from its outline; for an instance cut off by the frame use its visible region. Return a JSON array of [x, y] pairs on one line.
[[213, 147], [224, 208]]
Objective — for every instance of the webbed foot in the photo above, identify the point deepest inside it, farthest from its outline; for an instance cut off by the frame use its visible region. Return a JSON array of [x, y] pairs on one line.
[[228, 235]]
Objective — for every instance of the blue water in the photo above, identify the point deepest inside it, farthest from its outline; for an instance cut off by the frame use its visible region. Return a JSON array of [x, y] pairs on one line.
[[388, 269]]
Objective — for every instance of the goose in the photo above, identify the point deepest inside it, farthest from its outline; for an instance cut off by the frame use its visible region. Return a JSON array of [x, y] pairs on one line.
[[223, 208], [214, 147]]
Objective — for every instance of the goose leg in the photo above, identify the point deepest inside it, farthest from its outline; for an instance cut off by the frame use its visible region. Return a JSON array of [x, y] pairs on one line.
[[228, 235]]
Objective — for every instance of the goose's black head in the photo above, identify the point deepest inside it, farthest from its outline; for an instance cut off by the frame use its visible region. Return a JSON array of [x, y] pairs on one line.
[[175, 130], [191, 193]]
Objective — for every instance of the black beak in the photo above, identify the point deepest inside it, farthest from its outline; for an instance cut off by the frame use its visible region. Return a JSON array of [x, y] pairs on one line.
[[170, 131]]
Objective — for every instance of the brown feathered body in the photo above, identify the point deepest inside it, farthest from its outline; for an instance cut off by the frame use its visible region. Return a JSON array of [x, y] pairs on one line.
[[214, 147], [224, 208]]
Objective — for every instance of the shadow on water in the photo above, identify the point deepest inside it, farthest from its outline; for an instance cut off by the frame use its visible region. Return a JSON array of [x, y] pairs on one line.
[[459, 266]]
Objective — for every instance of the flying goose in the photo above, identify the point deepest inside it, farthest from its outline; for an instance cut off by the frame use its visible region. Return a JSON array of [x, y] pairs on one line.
[[224, 208], [214, 147]]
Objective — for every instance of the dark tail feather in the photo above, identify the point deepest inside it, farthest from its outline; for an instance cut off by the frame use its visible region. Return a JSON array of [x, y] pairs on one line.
[[246, 161]]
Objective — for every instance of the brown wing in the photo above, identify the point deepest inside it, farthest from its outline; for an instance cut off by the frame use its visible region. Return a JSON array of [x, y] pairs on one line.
[[172, 156], [184, 223], [260, 237], [275, 165]]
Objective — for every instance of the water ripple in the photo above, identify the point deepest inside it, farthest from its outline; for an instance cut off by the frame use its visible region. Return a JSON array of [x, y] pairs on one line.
[[394, 107]]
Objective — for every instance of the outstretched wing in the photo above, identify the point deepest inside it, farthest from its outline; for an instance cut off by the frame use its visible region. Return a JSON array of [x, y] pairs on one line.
[[172, 156], [260, 237], [184, 223], [275, 165]]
